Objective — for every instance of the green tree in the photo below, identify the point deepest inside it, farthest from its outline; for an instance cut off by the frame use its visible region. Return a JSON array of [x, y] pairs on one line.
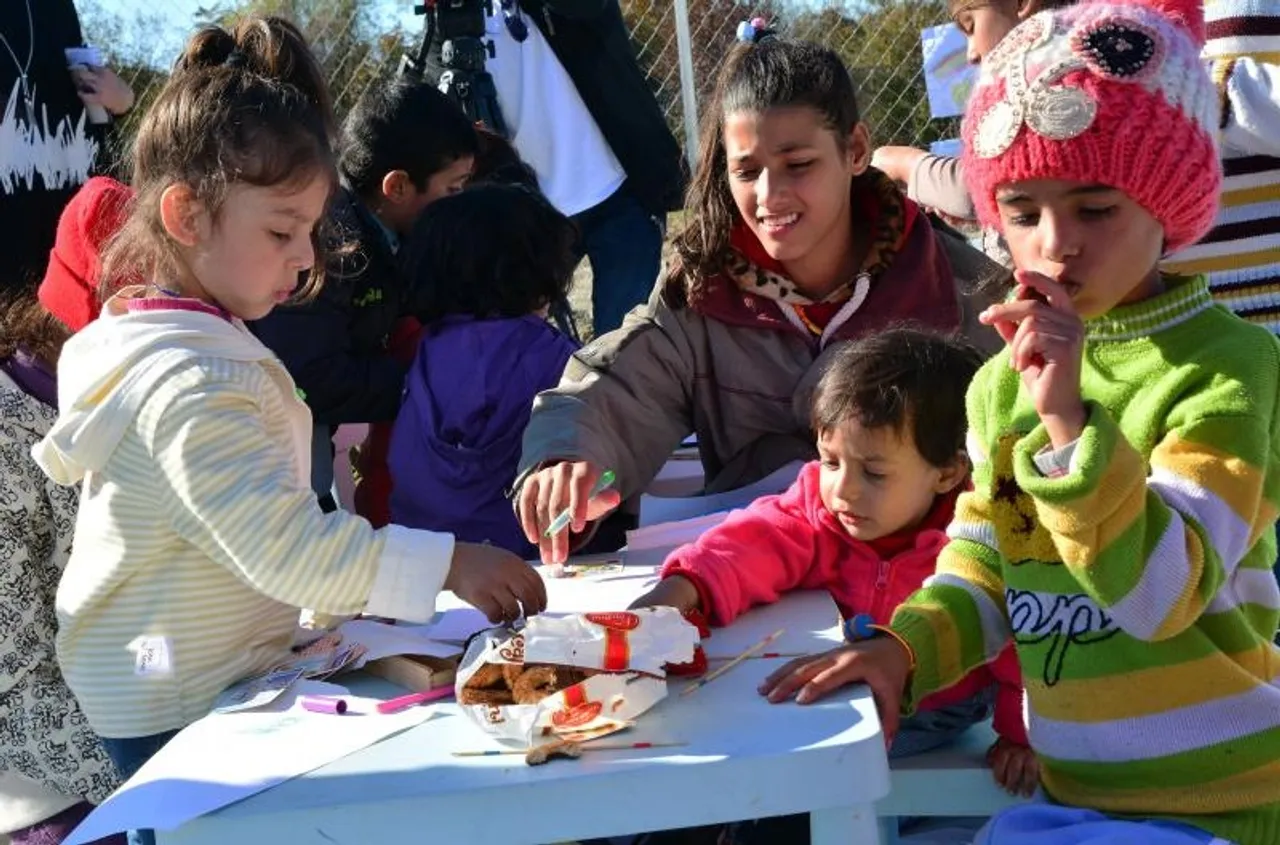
[[879, 41], [355, 49], [131, 50]]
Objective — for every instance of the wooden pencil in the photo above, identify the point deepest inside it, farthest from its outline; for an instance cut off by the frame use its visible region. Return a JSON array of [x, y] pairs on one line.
[[734, 662]]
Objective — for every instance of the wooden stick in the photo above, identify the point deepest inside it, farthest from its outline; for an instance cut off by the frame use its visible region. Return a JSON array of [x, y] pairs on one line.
[[616, 746], [734, 662], [768, 655]]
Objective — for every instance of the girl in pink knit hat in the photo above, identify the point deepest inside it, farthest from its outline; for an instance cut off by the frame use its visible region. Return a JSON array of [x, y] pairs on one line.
[[1126, 457]]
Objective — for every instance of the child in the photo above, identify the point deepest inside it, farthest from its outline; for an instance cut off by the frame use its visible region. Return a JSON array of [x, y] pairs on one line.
[[1120, 529], [52, 766], [490, 261], [404, 146], [198, 538], [935, 181], [865, 521], [793, 245], [496, 161]]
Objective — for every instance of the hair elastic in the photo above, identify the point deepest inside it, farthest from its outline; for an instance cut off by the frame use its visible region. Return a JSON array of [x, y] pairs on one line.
[[237, 58], [755, 31]]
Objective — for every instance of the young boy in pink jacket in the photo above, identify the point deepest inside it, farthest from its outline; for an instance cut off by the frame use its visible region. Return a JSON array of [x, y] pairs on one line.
[[866, 522]]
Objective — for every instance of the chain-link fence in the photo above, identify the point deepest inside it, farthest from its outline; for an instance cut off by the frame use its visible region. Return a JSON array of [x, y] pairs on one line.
[[360, 41]]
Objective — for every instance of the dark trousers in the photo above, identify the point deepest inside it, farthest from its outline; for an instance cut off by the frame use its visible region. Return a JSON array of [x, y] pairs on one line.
[[623, 241], [129, 755]]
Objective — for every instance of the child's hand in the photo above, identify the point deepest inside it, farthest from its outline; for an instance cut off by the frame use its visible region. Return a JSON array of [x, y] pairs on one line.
[[881, 663], [1014, 766], [496, 582], [1045, 336], [550, 490], [673, 591], [897, 162]]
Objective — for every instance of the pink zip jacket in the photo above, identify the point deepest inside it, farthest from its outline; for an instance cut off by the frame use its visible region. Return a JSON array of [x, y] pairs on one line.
[[792, 542]]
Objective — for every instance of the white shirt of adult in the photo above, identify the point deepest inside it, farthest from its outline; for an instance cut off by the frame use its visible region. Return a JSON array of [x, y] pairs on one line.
[[547, 121]]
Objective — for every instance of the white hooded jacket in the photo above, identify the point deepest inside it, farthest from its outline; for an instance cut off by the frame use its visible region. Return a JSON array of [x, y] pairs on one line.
[[198, 536]]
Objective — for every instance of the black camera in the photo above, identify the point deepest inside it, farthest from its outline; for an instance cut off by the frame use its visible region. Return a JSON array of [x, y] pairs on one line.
[[460, 24], [460, 27]]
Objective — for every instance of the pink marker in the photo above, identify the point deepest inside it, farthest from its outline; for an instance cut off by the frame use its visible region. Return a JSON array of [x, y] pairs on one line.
[[405, 701]]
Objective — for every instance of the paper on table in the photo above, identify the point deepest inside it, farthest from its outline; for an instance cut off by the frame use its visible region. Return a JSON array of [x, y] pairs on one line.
[[658, 509], [224, 758], [383, 640], [588, 591], [819, 632], [650, 545], [602, 591], [455, 620]]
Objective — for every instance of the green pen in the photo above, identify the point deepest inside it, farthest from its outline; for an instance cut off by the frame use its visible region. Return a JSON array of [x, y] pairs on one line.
[[566, 516]]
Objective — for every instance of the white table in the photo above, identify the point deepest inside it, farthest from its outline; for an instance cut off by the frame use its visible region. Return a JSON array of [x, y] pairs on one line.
[[743, 758]]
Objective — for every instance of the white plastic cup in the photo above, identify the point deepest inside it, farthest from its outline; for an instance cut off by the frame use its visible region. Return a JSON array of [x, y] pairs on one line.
[[81, 59]]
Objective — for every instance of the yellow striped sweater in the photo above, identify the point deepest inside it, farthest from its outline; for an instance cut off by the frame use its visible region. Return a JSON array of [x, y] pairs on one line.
[[1137, 587], [198, 537], [1241, 255]]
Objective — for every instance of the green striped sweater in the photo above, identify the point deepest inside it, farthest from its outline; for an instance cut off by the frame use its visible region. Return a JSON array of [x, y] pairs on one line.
[[1138, 586]]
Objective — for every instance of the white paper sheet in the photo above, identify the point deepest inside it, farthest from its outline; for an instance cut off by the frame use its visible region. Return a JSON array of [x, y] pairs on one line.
[[606, 591], [383, 640], [225, 758], [650, 545], [457, 620], [659, 509]]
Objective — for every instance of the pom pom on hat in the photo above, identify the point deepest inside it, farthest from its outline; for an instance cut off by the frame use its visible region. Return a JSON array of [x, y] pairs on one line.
[[1103, 93]]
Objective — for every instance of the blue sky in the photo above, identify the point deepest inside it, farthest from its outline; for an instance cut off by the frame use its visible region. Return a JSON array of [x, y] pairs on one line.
[[176, 17]]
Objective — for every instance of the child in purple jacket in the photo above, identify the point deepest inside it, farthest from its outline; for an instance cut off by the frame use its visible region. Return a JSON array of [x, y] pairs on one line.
[[494, 257]]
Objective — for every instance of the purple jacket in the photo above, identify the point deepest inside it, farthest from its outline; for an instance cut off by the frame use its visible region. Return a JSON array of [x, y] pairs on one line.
[[456, 442]]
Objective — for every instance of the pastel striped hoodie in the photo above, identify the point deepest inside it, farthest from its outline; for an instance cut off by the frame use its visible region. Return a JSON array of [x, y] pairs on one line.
[[198, 537], [1137, 587]]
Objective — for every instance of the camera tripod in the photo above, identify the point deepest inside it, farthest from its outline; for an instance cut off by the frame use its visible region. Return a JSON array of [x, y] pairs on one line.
[[463, 52]]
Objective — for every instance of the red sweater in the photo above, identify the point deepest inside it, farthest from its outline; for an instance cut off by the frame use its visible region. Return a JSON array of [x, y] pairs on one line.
[[791, 542]]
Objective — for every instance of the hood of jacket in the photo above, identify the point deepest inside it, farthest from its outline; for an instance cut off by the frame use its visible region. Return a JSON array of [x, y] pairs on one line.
[[107, 371]]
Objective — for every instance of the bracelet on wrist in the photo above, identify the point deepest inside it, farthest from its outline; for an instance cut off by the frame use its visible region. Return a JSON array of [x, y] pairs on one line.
[[861, 627]]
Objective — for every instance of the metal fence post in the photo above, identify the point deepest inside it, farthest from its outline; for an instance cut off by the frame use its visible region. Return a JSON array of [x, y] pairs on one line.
[[688, 90]]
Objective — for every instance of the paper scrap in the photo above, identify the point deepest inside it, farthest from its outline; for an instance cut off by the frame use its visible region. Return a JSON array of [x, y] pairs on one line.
[[381, 640], [257, 691]]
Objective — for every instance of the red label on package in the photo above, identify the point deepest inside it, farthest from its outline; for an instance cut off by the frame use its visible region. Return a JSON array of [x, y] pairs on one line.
[[619, 621], [577, 715]]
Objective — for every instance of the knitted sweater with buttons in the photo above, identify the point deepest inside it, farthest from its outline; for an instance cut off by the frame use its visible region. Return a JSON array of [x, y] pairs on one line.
[[1136, 587]]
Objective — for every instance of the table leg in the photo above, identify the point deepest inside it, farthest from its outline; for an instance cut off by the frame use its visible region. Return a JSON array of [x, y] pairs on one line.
[[844, 826]]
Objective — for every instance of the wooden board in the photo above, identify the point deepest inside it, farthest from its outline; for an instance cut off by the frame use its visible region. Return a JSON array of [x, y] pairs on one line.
[[414, 672]]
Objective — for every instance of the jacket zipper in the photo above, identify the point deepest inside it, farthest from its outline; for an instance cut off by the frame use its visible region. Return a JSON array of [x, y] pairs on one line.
[[882, 581]]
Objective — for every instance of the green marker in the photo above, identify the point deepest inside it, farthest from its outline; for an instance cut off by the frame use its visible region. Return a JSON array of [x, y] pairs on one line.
[[562, 521]]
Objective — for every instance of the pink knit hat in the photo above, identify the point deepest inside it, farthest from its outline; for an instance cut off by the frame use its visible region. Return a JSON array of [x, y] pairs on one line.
[[1107, 94]]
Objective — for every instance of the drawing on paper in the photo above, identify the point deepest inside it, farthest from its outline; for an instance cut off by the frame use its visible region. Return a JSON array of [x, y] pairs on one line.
[[948, 75]]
